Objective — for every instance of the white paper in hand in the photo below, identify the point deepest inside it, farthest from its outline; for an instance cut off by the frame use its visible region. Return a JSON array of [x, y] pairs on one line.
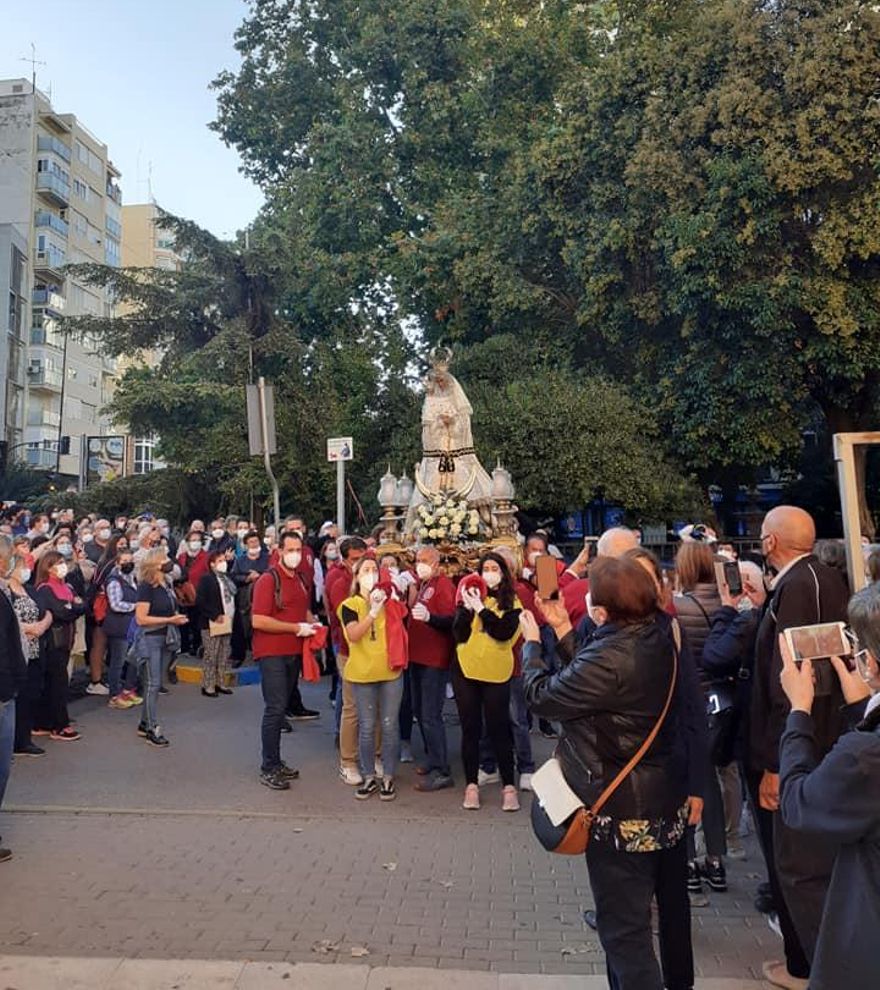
[[556, 797]]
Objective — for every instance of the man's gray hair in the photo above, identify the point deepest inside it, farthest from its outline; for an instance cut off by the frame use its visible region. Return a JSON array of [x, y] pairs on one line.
[[864, 618], [615, 542]]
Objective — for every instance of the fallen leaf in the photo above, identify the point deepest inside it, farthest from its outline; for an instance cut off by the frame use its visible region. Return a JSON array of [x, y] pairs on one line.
[[391, 867], [358, 951], [324, 947]]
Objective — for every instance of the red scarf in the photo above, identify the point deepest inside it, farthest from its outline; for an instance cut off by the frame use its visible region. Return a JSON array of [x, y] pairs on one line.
[[396, 636], [59, 588], [311, 645]]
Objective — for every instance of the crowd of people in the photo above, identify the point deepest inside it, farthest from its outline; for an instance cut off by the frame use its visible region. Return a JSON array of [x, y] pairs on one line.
[[627, 646]]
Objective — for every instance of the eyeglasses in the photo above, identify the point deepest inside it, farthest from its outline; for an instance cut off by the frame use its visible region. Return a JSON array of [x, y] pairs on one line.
[[765, 536]]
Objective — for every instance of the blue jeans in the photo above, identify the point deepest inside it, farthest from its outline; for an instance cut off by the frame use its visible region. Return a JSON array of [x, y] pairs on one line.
[[118, 649], [154, 658], [519, 727], [378, 700], [7, 738], [428, 685], [278, 676]]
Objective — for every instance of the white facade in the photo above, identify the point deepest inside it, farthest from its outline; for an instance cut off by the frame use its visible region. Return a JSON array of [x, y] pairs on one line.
[[58, 189]]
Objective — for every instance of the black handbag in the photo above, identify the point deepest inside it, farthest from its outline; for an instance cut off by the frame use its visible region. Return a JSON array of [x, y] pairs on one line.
[[723, 722]]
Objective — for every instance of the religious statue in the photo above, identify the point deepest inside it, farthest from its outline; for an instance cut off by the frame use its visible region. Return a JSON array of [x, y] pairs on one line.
[[449, 465]]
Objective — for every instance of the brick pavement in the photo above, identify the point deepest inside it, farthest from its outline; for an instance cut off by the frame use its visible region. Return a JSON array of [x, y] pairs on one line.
[[125, 851]]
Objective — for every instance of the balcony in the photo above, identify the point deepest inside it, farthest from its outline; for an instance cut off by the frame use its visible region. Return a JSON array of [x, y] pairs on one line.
[[54, 188], [52, 301], [40, 377], [43, 219], [42, 337], [50, 263], [47, 143], [114, 193], [40, 458], [44, 417]]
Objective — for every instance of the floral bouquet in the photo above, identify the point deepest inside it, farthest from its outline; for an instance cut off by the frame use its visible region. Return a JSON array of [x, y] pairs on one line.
[[447, 520]]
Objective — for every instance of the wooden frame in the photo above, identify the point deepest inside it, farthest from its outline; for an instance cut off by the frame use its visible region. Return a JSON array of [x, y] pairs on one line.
[[844, 456]]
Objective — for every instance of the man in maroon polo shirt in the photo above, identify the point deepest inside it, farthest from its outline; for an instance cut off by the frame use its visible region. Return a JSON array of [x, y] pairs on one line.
[[430, 653], [282, 618]]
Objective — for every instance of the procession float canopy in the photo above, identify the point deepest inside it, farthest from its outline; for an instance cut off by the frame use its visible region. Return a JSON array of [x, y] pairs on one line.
[[452, 502]]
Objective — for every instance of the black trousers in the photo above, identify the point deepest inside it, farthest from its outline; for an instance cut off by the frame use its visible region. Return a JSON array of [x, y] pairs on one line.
[[27, 703], [277, 677], [624, 884], [795, 957], [478, 700], [52, 707], [804, 863]]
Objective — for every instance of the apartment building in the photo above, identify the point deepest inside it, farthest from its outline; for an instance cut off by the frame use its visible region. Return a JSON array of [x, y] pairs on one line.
[[60, 195], [145, 245]]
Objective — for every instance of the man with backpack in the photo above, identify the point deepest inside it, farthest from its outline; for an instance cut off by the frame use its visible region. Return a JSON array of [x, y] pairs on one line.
[[281, 620]]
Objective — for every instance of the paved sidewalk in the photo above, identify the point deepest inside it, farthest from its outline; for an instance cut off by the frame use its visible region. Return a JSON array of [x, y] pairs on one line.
[[123, 851], [37, 973]]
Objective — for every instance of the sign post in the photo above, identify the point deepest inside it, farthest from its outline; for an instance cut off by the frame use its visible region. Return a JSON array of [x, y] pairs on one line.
[[340, 450], [261, 434]]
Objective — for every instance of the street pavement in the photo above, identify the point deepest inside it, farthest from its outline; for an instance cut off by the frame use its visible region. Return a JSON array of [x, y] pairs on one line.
[[126, 852]]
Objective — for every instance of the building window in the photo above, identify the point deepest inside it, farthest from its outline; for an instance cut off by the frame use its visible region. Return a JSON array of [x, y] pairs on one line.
[[144, 454], [81, 190]]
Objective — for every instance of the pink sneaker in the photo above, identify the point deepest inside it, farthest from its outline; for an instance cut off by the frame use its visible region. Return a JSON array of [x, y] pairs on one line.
[[471, 798], [509, 800], [121, 702], [133, 697]]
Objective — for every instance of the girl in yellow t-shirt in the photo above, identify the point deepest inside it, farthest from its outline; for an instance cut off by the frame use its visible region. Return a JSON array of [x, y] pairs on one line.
[[485, 631], [377, 689]]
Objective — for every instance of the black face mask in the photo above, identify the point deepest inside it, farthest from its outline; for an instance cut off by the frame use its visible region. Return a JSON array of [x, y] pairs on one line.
[[168, 566], [126, 568]]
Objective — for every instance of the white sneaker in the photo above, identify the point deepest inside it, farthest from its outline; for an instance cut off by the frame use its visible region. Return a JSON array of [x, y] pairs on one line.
[[351, 776], [484, 778], [96, 687], [525, 781], [406, 753]]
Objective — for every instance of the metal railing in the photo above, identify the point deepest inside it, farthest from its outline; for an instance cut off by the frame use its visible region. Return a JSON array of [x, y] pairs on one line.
[[39, 457], [49, 299], [46, 143], [46, 377], [41, 337], [44, 219], [48, 182]]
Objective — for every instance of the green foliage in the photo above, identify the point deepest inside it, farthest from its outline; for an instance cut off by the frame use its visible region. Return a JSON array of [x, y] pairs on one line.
[[681, 195], [18, 482]]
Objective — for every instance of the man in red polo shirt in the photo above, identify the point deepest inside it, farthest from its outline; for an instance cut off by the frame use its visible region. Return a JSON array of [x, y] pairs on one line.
[[430, 653], [282, 618]]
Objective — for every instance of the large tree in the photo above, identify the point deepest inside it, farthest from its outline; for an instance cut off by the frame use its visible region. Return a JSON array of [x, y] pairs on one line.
[[682, 195]]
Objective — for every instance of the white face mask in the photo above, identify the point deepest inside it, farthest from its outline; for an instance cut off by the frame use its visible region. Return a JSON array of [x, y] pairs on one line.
[[424, 571], [292, 559], [533, 556], [60, 571], [242, 533], [24, 575], [217, 534], [221, 566], [394, 571], [44, 527], [332, 555], [103, 534], [492, 578], [253, 552], [367, 581], [87, 537], [195, 546]]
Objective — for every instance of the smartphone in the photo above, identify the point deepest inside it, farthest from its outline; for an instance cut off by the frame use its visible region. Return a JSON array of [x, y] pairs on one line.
[[819, 642], [727, 573], [546, 577]]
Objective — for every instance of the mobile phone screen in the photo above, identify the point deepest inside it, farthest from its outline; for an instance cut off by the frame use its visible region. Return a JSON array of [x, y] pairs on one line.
[[818, 642], [546, 577]]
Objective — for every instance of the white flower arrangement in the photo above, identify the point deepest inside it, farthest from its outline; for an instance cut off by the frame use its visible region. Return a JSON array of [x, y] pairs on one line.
[[447, 520]]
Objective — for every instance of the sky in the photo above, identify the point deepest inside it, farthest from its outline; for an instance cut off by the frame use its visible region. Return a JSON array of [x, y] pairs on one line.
[[136, 73]]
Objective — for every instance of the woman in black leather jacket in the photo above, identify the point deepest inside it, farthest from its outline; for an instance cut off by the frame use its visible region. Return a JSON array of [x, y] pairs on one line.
[[607, 699]]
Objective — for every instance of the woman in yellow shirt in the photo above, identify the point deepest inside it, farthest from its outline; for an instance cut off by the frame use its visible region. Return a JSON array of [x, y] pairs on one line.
[[377, 689], [485, 631]]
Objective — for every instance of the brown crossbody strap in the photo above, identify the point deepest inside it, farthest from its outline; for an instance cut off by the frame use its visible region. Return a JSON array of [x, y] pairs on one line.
[[646, 745]]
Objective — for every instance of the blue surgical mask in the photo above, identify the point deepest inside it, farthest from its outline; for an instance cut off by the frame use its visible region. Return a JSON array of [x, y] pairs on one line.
[[65, 549]]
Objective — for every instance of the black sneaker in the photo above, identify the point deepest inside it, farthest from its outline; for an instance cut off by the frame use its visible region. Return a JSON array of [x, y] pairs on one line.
[[164, 690], [30, 750], [274, 780], [289, 773], [546, 729], [286, 727], [590, 920], [695, 882], [5, 855], [715, 876], [304, 715], [367, 789], [142, 730], [155, 737], [387, 791]]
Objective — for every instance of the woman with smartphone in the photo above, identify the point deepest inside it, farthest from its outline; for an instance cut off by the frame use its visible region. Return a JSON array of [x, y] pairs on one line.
[[485, 628]]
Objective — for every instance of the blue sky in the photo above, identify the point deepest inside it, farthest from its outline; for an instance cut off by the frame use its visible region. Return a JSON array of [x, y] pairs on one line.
[[136, 73]]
